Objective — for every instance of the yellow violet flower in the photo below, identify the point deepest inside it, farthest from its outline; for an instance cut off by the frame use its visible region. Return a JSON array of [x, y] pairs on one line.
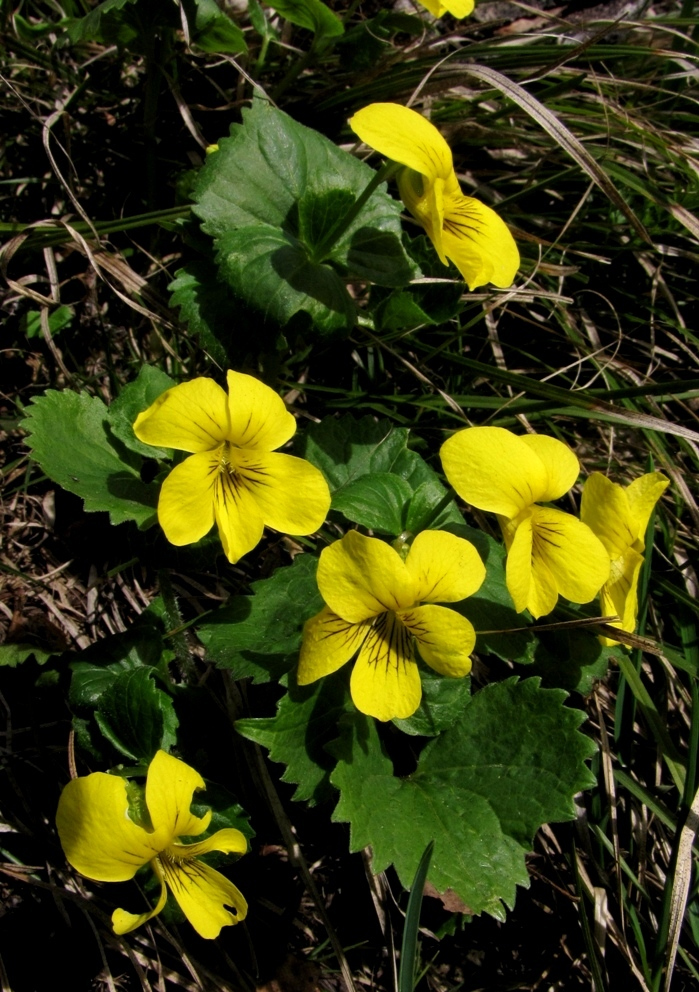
[[461, 229], [234, 477], [619, 517], [374, 607], [102, 842], [550, 553], [457, 8]]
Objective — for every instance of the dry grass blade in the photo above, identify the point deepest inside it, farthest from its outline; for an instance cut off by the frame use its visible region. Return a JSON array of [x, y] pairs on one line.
[[680, 888], [563, 136]]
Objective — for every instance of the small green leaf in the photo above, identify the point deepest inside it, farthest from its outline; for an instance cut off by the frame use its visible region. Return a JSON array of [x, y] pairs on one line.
[[214, 31], [377, 501], [345, 449], [205, 304], [90, 27], [443, 702], [480, 791], [71, 439], [137, 717], [12, 655], [259, 636], [58, 319], [310, 14], [225, 811], [306, 721], [135, 397]]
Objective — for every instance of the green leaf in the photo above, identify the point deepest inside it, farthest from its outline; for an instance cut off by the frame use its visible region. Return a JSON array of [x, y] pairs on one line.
[[205, 303], [225, 812], [311, 14], [12, 655], [214, 31], [345, 449], [376, 501], [137, 717], [270, 197], [90, 27], [71, 440], [443, 702], [259, 636], [61, 317], [480, 791], [272, 270], [572, 658], [135, 397], [306, 721]]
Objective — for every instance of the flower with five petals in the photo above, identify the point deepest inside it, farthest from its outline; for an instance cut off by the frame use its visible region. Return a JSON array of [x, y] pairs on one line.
[[102, 842], [380, 606], [234, 476], [461, 229], [549, 552], [619, 517]]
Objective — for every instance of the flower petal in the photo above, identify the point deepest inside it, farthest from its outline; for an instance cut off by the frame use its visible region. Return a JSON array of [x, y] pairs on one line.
[[404, 136], [643, 494], [619, 594], [203, 895], [385, 680], [97, 836], [170, 785], [538, 594], [444, 568], [561, 464], [605, 509], [457, 8], [238, 517], [577, 559], [124, 922], [424, 198], [478, 242], [259, 418], [490, 468], [190, 417], [360, 577], [186, 501], [328, 643], [445, 638], [292, 495], [228, 841]]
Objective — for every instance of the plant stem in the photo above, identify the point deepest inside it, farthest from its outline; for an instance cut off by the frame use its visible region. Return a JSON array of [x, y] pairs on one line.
[[386, 172]]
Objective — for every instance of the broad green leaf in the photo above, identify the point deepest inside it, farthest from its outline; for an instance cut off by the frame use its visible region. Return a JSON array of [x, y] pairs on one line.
[[345, 449], [272, 270], [443, 702], [12, 655], [306, 721], [259, 636], [137, 717], [271, 196], [480, 791], [362, 46], [377, 501], [89, 28], [572, 658], [134, 398], [71, 440], [311, 14], [214, 31], [205, 304], [428, 508]]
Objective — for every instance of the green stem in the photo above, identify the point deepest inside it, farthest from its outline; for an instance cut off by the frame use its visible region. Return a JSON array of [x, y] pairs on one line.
[[386, 172], [50, 234]]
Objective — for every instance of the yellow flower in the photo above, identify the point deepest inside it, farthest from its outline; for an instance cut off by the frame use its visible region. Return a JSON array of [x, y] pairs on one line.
[[234, 476], [549, 552], [102, 842], [461, 229], [457, 8], [374, 600], [619, 517]]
